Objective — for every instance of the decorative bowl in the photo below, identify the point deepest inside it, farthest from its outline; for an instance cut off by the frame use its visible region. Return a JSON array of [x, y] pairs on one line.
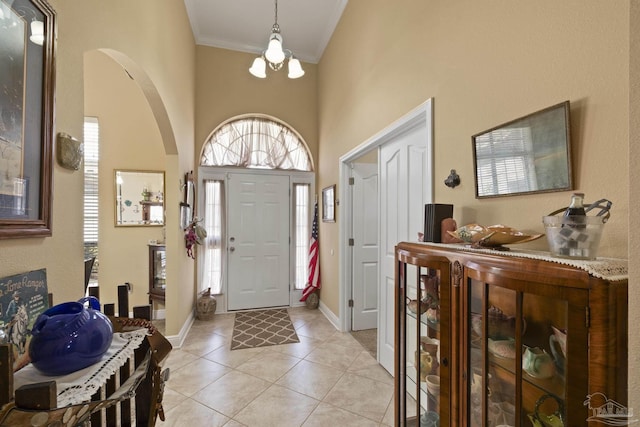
[[493, 236], [503, 235], [413, 305], [505, 349], [470, 233], [433, 385]]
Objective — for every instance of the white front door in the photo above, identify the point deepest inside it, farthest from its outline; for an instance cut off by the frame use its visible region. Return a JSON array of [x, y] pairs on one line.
[[257, 240], [365, 246], [405, 188]]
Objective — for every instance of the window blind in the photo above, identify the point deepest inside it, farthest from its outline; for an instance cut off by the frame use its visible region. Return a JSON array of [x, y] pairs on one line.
[[91, 155]]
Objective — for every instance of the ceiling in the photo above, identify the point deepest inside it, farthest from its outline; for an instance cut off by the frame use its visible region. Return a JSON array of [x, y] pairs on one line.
[[244, 25]]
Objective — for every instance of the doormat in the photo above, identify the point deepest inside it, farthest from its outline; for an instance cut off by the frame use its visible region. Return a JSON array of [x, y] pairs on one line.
[[262, 328]]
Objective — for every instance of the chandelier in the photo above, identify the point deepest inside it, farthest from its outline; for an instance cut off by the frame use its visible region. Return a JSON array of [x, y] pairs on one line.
[[275, 55]]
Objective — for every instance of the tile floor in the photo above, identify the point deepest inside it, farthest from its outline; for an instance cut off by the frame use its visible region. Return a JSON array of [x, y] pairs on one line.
[[328, 379]]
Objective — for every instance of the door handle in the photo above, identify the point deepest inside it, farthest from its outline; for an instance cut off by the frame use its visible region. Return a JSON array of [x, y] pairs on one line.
[[232, 249]]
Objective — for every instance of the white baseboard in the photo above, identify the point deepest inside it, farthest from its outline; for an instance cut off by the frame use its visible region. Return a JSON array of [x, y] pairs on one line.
[[332, 318], [159, 314], [177, 340]]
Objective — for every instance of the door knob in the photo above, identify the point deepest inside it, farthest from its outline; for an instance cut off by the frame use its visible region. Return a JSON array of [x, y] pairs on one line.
[[232, 249]]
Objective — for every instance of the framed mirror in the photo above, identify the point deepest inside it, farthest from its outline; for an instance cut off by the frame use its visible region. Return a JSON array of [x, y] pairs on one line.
[[531, 154], [139, 198], [187, 207], [329, 204]]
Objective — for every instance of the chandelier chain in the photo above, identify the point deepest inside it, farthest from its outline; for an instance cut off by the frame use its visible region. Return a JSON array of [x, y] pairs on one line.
[[275, 55]]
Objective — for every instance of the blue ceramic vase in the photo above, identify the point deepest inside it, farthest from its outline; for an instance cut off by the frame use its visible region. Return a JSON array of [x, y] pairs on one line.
[[69, 336]]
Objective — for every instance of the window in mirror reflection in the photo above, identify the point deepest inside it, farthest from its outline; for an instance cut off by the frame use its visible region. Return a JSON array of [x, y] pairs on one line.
[[139, 198], [505, 162]]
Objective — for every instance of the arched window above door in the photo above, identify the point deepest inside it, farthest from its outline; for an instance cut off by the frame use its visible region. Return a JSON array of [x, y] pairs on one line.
[[259, 142]]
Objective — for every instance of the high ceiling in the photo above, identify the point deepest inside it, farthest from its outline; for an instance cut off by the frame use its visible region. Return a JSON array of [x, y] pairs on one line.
[[244, 25]]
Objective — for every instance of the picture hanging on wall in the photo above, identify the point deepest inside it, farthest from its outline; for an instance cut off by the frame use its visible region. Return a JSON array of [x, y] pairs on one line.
[[329, 204]]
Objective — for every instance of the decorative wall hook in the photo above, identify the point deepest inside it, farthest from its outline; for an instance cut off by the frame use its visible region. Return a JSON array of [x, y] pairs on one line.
[[453, 180]]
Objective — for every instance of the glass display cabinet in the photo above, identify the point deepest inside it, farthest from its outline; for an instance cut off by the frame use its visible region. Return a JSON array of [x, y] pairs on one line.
[[422, 348], [157, 273], [516, 350], [524, 340]]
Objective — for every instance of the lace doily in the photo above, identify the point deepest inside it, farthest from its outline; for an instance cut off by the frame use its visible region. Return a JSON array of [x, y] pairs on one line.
[[79, 386], [611, 269]]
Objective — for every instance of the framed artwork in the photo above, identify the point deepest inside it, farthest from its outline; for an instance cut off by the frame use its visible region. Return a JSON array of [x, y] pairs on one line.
[[329, 204], [27, 79]]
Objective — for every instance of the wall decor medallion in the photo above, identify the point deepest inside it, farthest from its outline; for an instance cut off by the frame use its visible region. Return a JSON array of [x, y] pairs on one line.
[[70, 151]]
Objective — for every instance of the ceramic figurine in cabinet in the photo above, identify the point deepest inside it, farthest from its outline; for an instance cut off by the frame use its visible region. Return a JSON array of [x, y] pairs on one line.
[[432, 292], [425, 362], [538, 363], [428, 357]]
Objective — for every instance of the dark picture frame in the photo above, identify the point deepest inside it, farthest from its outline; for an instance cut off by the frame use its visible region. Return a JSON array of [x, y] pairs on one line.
[[528, 155], [329, 204], [27, 93]]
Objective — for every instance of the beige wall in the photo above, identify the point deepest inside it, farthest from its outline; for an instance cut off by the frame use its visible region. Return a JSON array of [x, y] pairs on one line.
[[156, 37], [484, 63], [129, 139], [226, 89]]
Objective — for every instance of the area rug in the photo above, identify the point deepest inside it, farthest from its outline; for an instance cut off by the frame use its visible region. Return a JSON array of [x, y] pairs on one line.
[[368, 338], [262, 328]]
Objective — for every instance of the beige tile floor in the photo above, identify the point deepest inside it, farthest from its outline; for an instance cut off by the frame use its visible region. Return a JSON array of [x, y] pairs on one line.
[[328, 379]]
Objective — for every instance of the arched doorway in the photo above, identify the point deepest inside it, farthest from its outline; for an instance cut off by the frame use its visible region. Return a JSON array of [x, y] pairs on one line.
[[136, 135]]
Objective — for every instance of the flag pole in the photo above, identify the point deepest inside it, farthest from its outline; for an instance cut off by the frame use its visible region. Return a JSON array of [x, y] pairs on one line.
[[313, 283]]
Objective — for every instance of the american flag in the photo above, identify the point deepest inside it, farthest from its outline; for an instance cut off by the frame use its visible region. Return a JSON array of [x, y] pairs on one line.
[[313, 283]]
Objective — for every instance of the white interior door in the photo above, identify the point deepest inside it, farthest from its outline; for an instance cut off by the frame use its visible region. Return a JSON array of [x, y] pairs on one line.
[[405, 187], [257, 241], [365, 247]]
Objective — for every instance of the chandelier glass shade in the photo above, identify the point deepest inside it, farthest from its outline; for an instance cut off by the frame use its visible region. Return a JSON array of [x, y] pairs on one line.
[[275, 55], [37, 32], [274, 52], [259, 68], [13, 15]]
